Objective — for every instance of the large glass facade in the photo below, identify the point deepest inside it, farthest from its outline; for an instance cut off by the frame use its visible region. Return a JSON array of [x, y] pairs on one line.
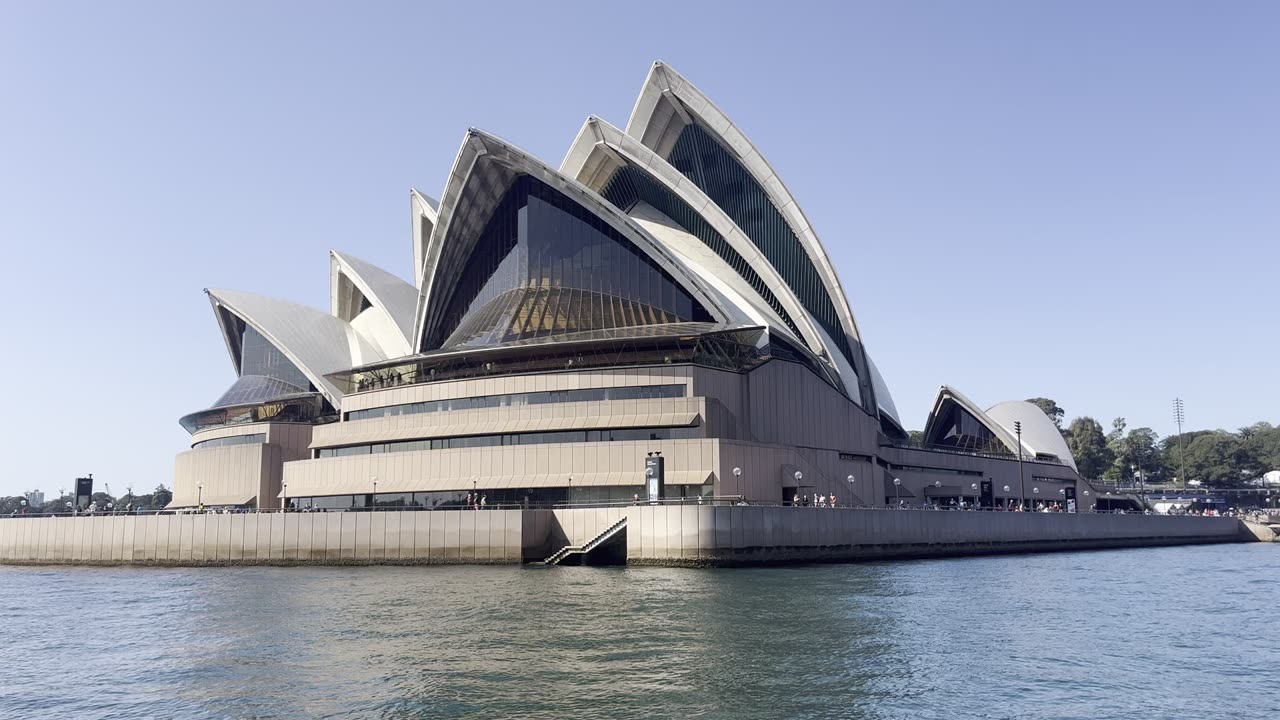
[[259, 357], [270, 387], [714, 169], [957, 429], [529, 438], [631, 185], [637, 392], [544, 266], [249, 389], [310, 408]]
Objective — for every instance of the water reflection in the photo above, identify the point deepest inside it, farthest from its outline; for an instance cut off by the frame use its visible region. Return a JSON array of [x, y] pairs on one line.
[[1071, 635]]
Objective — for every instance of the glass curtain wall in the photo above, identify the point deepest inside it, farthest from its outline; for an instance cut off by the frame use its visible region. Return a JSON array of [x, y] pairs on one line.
[[702, 159], [545, 266], [958, 429], [631, 185]]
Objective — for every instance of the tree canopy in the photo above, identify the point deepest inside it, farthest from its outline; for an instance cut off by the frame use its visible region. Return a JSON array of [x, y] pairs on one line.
[[1050, 408]]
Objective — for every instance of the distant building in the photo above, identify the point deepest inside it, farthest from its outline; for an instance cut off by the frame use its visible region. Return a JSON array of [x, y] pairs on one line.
[[661, 292], [35, 498]]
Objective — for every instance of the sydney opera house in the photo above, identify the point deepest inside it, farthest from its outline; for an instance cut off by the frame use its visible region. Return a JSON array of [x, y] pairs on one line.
[[660, 294]]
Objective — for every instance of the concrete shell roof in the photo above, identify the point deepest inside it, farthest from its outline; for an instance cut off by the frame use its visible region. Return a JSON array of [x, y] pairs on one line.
[[883, 397], [948, 395], [663, 82], [1039, 434], [388, 294], [426, 211], [316, 342], [487, 159], [588, 161]]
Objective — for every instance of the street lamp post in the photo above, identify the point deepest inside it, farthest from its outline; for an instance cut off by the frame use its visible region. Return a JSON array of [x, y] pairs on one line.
[[1022, 483], [1006, 497], [200, 496], [974, 488], [851, 480], [737, 481], [284, 497], [1035, 491], [373, 499], [897, 495]]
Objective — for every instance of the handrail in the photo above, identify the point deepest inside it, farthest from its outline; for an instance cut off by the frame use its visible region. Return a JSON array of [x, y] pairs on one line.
[[714, 502]]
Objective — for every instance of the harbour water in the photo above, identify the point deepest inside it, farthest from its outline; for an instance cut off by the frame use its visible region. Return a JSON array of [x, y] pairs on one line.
[[1188, 632]]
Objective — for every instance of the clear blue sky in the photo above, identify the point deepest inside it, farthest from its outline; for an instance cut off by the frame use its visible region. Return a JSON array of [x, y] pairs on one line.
[[1076, 199]]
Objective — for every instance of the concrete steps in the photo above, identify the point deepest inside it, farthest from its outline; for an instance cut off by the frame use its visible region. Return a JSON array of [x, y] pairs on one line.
[[575, 553]]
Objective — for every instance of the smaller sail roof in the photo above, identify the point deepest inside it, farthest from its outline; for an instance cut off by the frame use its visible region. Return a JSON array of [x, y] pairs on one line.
[[1039, 435], [317, 343], [352, 281]]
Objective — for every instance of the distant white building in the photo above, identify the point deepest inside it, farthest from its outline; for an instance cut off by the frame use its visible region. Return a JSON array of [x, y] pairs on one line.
[[35, 498]]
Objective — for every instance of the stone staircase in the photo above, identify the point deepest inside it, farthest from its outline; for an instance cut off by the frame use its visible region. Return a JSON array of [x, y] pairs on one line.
[[576, 553]]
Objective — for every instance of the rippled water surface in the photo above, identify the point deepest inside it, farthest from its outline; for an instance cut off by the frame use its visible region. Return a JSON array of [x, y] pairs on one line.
[[1175, 632]]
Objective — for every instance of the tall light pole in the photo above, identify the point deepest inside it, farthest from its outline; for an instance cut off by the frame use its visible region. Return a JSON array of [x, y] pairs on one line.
[[1022, 483], [737, 480], [373, 499], [851, 480], [200, 495], [897, 495], [1179, 416], [974, 488]]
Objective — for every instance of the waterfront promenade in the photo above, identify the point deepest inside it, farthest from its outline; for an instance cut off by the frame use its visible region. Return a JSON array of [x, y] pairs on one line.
[[675, 535]]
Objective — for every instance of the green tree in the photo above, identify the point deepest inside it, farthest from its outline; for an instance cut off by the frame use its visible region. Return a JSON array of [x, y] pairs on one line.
[[1135, 451], [1051, 409], [1089, 447], [1262, 442], [160, 497], [1221, 459], [917, 437]]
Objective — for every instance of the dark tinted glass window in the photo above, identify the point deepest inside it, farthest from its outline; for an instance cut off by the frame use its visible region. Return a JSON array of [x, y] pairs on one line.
[[636, 392], [531, 438], [631, 185], [544, 265], [259, 357], [702, 159], [253, 439], [960, 430]]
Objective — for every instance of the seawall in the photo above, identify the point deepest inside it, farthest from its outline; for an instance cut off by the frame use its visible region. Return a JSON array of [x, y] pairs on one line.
[[699, 536], [662, 535]]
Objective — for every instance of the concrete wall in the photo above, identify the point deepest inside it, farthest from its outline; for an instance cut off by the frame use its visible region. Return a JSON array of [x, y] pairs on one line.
[[491, 536], [698, 535], [232, 475], [669, 535]]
